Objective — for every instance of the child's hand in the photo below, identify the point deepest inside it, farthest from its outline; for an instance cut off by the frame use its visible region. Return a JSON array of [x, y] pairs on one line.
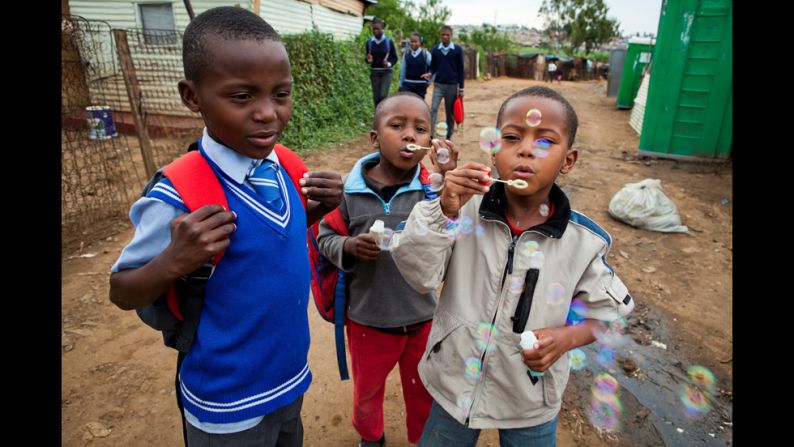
[[453, 156], [462, 183], [364, 247], [197, 237], [323, 186], [426, 76], [551, 345], [369, 57]]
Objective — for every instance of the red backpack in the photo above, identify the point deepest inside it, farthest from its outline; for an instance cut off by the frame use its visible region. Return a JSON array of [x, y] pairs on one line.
[[176, 314], [328, 282]]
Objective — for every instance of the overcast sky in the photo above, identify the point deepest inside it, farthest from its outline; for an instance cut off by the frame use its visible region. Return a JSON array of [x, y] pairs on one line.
[[634, 15]]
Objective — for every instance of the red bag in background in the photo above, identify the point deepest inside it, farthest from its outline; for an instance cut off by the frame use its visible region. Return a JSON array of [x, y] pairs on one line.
[[457, 110]]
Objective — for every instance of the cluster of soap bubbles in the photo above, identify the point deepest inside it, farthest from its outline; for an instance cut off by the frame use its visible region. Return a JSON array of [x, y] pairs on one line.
[[577, 359], [605, 407], [612, 333], [516, 284], [491, 137], [457, 228], [490, 140], [528, 248], [441, 129], [442, 155], [606, 357], [473, 368], [555, 293], [486, 332], [540, 148], [576, 313], [698, 391], [533, 117], [436, 182]]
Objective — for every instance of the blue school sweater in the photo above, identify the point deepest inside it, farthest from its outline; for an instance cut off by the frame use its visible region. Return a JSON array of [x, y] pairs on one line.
[[249, 356], [380, 51], [448, 69], [415, 66]]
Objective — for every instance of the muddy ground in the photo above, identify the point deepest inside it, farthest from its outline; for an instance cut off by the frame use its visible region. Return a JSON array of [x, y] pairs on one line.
[[117, 377]]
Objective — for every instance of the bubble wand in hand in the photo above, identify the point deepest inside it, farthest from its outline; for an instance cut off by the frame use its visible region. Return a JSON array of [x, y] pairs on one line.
[[442, 155], [516, 183], [415, 147]]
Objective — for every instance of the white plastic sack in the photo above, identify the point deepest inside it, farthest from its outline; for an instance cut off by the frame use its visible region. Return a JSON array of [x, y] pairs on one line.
[[644, 205]]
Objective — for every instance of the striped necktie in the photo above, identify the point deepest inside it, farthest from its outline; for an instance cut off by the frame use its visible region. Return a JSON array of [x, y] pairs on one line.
[[265, 183]]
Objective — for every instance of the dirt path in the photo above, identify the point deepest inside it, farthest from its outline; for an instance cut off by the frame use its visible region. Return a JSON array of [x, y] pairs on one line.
[[118, 377]]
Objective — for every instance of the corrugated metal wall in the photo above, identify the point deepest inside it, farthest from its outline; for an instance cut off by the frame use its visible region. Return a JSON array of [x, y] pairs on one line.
[[342, 18], [638, 111], [350, 7], [292, 16], [286, 16], [124, 13]]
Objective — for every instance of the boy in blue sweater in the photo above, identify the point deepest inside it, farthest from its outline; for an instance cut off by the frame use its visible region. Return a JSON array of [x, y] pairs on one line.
[[447, 66], [242, 383], [416, 62], [381, 57]]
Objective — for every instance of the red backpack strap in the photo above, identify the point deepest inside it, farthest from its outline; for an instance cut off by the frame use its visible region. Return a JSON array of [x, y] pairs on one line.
[[294, 165], [335, 222], [427, 184], [424, 174], [196, 183], [198, 186]]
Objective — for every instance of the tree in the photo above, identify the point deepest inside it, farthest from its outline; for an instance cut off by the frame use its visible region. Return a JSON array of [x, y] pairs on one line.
[[403, 17], [489, 39], [579, 22], [396, 14], [432, 16]]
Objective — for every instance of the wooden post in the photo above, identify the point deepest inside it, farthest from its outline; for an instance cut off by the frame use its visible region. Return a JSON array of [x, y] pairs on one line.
[[189, 8], [255, 7], [134, 95]]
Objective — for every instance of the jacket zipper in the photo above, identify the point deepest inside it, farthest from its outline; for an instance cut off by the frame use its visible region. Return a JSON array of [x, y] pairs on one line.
[[507, 271]]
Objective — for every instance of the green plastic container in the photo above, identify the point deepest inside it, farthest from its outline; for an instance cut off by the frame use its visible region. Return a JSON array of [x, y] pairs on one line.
[[689, 111], [637, 57]]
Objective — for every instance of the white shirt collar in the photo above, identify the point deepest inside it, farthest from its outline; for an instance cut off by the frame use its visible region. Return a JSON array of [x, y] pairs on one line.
[[378, 41], [232, 163], [416, 53], [451, 45]]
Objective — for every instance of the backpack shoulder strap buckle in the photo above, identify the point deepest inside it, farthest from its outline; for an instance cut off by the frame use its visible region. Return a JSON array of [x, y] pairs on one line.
[[201, 275]]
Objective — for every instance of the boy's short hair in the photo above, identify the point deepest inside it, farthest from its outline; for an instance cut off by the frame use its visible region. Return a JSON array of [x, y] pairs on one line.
[[379, 20], [381, 105], [447, 27], [418, 36], [544, 92], [226, 22]]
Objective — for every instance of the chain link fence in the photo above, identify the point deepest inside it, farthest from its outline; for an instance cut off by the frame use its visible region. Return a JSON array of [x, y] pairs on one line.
[[122, 118], [98, 171]]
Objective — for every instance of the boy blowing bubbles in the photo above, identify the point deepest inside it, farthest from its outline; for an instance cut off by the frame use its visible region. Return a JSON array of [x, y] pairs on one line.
[[480, 315]]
